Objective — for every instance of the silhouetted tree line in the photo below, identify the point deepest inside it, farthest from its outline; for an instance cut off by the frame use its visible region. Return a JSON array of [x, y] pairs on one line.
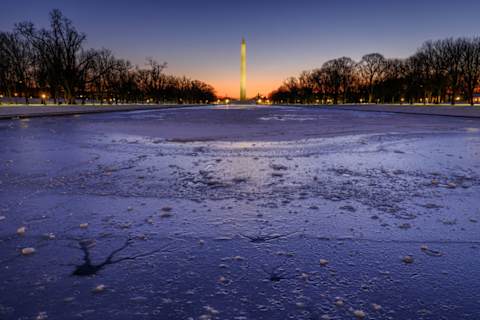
[[54, 63], [443, 71]]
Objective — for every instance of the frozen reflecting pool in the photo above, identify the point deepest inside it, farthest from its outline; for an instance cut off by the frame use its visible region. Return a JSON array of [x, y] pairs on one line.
[[239, 212]]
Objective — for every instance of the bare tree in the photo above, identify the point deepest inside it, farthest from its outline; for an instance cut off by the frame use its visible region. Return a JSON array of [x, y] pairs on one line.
[[372, 69], [338, 75], [439, 71], [393, 87], [101, 76], [333, 79], [292, 85], [156, 79], [432, 62], [305, 87], [55, 59], [470, 66], [451, 51], [17, 65], [319, 84], [61, 53]]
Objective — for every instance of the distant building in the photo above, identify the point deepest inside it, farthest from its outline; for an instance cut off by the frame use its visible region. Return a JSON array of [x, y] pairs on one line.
[[476, 98]]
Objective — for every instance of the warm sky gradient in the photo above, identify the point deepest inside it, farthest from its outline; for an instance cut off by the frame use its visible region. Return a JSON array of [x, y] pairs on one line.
[[201, 39]]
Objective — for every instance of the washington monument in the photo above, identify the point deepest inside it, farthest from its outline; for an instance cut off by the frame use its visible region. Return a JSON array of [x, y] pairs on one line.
[[243, 71]]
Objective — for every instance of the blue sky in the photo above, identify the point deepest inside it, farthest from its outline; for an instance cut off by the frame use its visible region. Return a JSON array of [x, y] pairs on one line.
[[201, 39]]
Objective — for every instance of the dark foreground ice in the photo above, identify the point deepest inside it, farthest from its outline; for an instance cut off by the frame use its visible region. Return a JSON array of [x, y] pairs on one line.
[[240, 213]]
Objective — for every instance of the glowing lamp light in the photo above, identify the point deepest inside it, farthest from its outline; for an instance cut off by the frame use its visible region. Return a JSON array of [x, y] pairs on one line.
[[44, 96], [227, 101], [458, 99], [259, 101]]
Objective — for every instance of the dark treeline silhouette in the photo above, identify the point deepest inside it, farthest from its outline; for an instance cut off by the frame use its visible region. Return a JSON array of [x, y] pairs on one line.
[[443, 71], [53, 63]]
